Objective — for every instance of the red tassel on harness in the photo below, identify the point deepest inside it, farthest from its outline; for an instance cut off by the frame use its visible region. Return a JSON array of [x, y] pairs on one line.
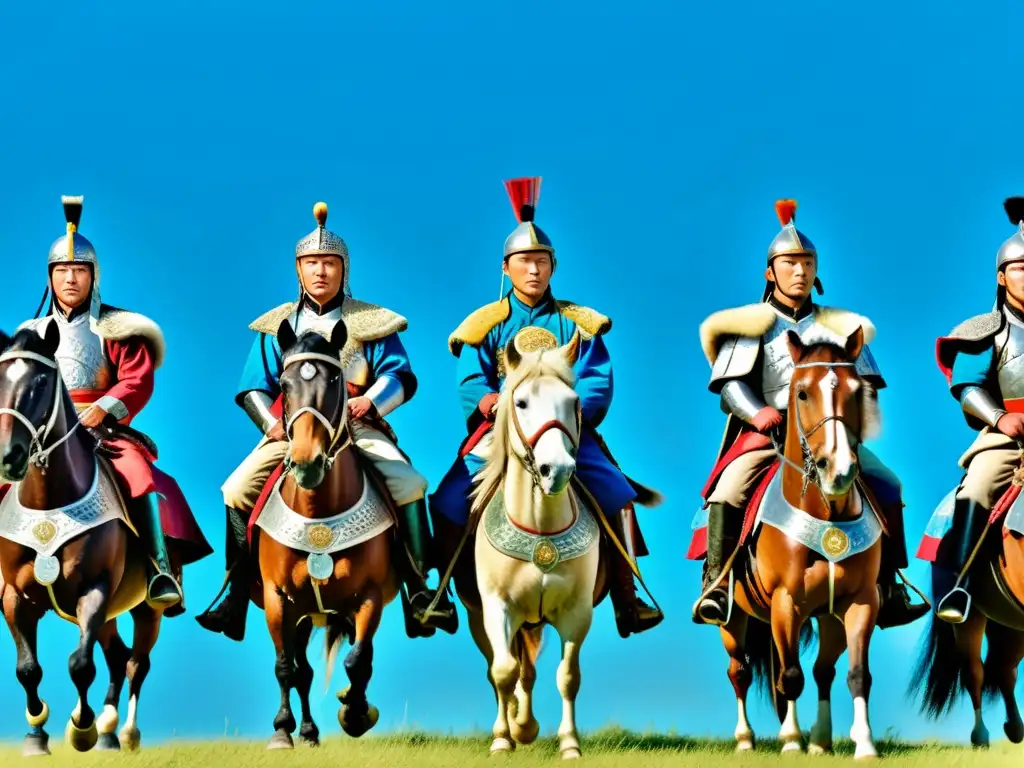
[[786, 211], [524, 194]]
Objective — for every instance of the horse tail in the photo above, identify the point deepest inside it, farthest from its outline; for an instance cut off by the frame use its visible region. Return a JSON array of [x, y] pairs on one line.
[[527, 644], [1000, 639], [938, 670], [763, 659], [338, 630]]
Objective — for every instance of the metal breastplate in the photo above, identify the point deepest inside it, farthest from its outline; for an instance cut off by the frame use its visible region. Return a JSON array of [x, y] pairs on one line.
[[357, 369], [83, 364], [777, 364], [1010, 342]]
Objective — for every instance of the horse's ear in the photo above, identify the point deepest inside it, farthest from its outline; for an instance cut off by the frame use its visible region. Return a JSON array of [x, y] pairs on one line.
[[855, 343], [51, 339], [512, 356], [796, 345], [571, 350], [285, 335], [339, 335]]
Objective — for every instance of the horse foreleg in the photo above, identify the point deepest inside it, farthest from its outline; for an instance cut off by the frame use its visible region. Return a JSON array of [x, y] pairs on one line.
[[831, 644], [786, 624], [308, 732], [116, 654], [522, 721], [91, 611], [146, 629], [733, 637], [356, 715], [969, 636], [501, 627], [859, 621], [281, 624], [572, 628], [1005, 651], [476, 629], [23, 621]]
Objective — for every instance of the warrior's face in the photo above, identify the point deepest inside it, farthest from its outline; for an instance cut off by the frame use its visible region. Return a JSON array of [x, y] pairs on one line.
[[72, 285], [793, 276], [1011, 277], [321, 276], [530, 273]]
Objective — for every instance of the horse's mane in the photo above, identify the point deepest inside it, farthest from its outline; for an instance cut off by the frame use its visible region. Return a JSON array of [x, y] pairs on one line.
[[548, 362]]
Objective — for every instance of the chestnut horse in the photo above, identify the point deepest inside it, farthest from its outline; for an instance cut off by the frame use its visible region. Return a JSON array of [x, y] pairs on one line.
[[324, 516], [951, 663], [816, 553], [98, 571]]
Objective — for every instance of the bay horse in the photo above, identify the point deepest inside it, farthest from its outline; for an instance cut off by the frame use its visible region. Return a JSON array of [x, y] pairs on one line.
[[325, 554], [816, 553], [950, 662], [64, 502], [537, 544]]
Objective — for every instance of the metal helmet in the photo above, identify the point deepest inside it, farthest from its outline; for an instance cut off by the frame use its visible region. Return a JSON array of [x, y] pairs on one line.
[[322, 242], [1012, 248], [524, 194], [789, 242], [74, 248]]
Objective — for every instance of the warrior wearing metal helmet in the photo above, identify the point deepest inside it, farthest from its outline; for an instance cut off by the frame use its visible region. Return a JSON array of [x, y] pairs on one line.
[[530, 311], [380, 379], [107, 359], [983, 362], [751, 371]]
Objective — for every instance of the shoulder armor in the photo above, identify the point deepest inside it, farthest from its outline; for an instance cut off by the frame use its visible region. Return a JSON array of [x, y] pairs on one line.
[[749, 322], [268, 322], [736, 358], [590, 321], [978, 328], [368, 322], [474, 329], [120, 324]]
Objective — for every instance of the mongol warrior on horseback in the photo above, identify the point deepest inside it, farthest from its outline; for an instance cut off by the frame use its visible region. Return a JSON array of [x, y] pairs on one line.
[[380, 379], [107, 358], [983, 362], [751, 370], [530, 313]]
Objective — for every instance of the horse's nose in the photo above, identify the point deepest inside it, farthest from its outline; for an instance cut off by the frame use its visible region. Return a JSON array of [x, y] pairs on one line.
[[545, 470], [14, 460]]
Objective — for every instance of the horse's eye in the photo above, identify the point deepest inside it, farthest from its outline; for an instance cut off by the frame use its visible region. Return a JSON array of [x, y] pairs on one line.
[[520, 403], [802, 395]]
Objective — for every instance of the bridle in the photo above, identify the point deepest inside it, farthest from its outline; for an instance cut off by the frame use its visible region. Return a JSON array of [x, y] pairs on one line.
[[336, 434], [39, 454], [809, 471], [529, 460]]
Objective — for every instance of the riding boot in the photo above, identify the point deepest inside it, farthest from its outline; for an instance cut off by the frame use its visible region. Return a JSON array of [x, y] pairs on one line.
[[414, 529], [164, 591], [724, 522], [895, 609], [968, 521], [632, 614], [229, 617]]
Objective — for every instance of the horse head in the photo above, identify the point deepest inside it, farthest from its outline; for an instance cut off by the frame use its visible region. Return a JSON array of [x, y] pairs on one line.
[[30, 393], [831, 408], [539, 415], [314, 400]]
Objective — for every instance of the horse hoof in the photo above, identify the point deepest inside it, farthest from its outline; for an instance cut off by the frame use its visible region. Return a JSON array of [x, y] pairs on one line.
[[502, 746], [525, 734], [1014, 731], [36, 745], [866, 752], [571, 753], [818, 749], [108, 743], [745, 745], [281, 740], [356, 725], [309, 737], [792, 746], [131, 739], [82, 739]]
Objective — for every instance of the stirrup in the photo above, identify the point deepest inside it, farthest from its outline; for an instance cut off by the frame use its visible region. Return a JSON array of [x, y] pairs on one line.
[[950, 617], [728, 603]]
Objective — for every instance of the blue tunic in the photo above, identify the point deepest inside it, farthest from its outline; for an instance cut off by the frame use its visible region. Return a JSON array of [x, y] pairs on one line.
[[974, 369], [478, 376]]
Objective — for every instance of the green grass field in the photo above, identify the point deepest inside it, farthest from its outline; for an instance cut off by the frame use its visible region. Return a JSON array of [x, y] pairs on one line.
[[605, 748]]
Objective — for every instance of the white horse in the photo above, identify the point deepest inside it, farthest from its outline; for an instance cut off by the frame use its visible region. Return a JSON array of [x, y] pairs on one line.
[[537, 547]]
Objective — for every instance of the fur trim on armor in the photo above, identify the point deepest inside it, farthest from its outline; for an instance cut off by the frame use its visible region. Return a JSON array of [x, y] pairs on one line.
[[474, 329], [365, 322], [120, 324], [754, 320]]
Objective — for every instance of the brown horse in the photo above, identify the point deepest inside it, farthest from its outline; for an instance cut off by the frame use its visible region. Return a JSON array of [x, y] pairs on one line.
[[326, 538], [67, 500], [951, 662], [816, 553]]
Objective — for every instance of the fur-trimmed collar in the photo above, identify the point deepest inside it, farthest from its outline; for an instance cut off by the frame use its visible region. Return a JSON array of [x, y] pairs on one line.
[[754, 320], [117, 324], [365, 322]]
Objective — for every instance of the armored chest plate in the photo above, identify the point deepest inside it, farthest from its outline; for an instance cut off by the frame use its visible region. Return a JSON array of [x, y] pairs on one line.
[[777, 364], [1011, 359], [80, 356]]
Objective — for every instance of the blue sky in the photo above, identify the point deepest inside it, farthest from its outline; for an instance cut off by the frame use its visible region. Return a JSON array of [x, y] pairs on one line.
[[664, 132]]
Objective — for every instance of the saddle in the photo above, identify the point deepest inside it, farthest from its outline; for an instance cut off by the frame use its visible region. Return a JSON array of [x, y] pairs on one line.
[[110, 430]]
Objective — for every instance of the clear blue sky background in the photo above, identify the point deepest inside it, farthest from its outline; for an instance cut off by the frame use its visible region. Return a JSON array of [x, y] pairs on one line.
[[201, 137]]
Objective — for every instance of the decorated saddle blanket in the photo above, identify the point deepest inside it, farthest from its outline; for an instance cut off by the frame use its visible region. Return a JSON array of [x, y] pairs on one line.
[[1009, 508], [545, 550], [699, 539]]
